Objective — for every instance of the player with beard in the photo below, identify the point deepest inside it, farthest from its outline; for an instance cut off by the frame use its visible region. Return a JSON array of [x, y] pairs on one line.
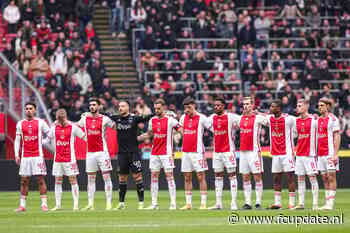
[[328, 142], [192, 125], [97, 157], [161, 128], [129, 158], [306, 161]]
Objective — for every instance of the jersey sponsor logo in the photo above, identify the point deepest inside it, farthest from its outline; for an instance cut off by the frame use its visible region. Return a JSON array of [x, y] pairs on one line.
[[62, 143], [276, 134], [123, 127], [322, 135], [303, 136], [159, 135], [188, 131], [93, 132], [246, 130], [220, 132], [30, 138]]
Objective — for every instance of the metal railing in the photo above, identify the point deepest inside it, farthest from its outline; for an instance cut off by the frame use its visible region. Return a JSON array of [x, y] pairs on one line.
[[17, 90]]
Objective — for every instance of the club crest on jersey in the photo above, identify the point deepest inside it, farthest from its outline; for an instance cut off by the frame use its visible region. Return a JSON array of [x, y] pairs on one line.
[[62, 134], [302, 127], [30, 129], [246, 122]]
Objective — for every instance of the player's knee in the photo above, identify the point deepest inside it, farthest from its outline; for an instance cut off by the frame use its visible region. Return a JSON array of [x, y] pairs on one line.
[[40, 180], [301, 178], [219, 174], [201, 176], [231, 172], [73, 180], [123, 178], [24, 182], [246, 177], [137, 176], [154, 175], [277, 178], [312, 178], [106, 176], [169, 175], [257, 177]]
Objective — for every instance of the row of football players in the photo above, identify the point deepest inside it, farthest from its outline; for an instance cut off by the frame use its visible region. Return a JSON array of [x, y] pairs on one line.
[[310, 132], [318, 143]]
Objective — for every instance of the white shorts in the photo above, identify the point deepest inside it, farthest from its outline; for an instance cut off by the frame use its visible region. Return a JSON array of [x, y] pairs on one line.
[[325, 163], [157, 162], [193, 162], [98, 161], [224, 160], [32, 166], [283, 163], [250, 162], [305, 165], [65, 169]]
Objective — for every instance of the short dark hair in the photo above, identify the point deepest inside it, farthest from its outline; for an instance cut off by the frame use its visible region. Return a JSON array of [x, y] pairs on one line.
[[220, 99], [94, 99], [304, 101], [160, 101], [30, 103], [125, 101], [189, 100], [277, 102]]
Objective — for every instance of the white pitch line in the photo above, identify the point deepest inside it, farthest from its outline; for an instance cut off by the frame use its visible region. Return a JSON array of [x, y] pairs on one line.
[[129, 225]]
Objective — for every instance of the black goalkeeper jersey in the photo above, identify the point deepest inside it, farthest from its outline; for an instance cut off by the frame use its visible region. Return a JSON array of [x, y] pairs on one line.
[[127, 131]]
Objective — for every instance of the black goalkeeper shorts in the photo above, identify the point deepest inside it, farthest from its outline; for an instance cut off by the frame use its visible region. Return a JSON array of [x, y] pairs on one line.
[[129, 161]]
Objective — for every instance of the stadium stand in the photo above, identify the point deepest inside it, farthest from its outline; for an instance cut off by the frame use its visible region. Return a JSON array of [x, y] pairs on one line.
[[201, 48]]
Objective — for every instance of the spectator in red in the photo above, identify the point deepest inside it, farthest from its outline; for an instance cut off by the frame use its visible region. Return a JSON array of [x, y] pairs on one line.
[[43, 30], [89, 31]]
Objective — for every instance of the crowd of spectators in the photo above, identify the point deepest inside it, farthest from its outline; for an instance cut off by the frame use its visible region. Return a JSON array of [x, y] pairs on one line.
[[54, 45], [288, 49]]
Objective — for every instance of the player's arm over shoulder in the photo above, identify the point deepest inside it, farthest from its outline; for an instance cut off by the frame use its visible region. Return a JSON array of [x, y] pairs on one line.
[[44, 127], [81, 122], [78, 131], [262, 119], [108, 122]]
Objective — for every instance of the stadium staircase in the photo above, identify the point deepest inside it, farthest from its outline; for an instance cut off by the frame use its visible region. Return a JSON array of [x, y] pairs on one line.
[[116, 56]]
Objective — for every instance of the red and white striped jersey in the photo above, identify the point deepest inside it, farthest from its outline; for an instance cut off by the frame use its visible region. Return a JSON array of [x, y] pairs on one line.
[[327, 126], [95, 131], [250, 128], [306, 130], [64, 138], [162, 129], [222, 127], [31, 133], [281, 134], [193, 129]]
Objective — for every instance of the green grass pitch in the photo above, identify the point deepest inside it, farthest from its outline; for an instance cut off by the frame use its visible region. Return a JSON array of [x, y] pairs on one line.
[[163, 220]]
